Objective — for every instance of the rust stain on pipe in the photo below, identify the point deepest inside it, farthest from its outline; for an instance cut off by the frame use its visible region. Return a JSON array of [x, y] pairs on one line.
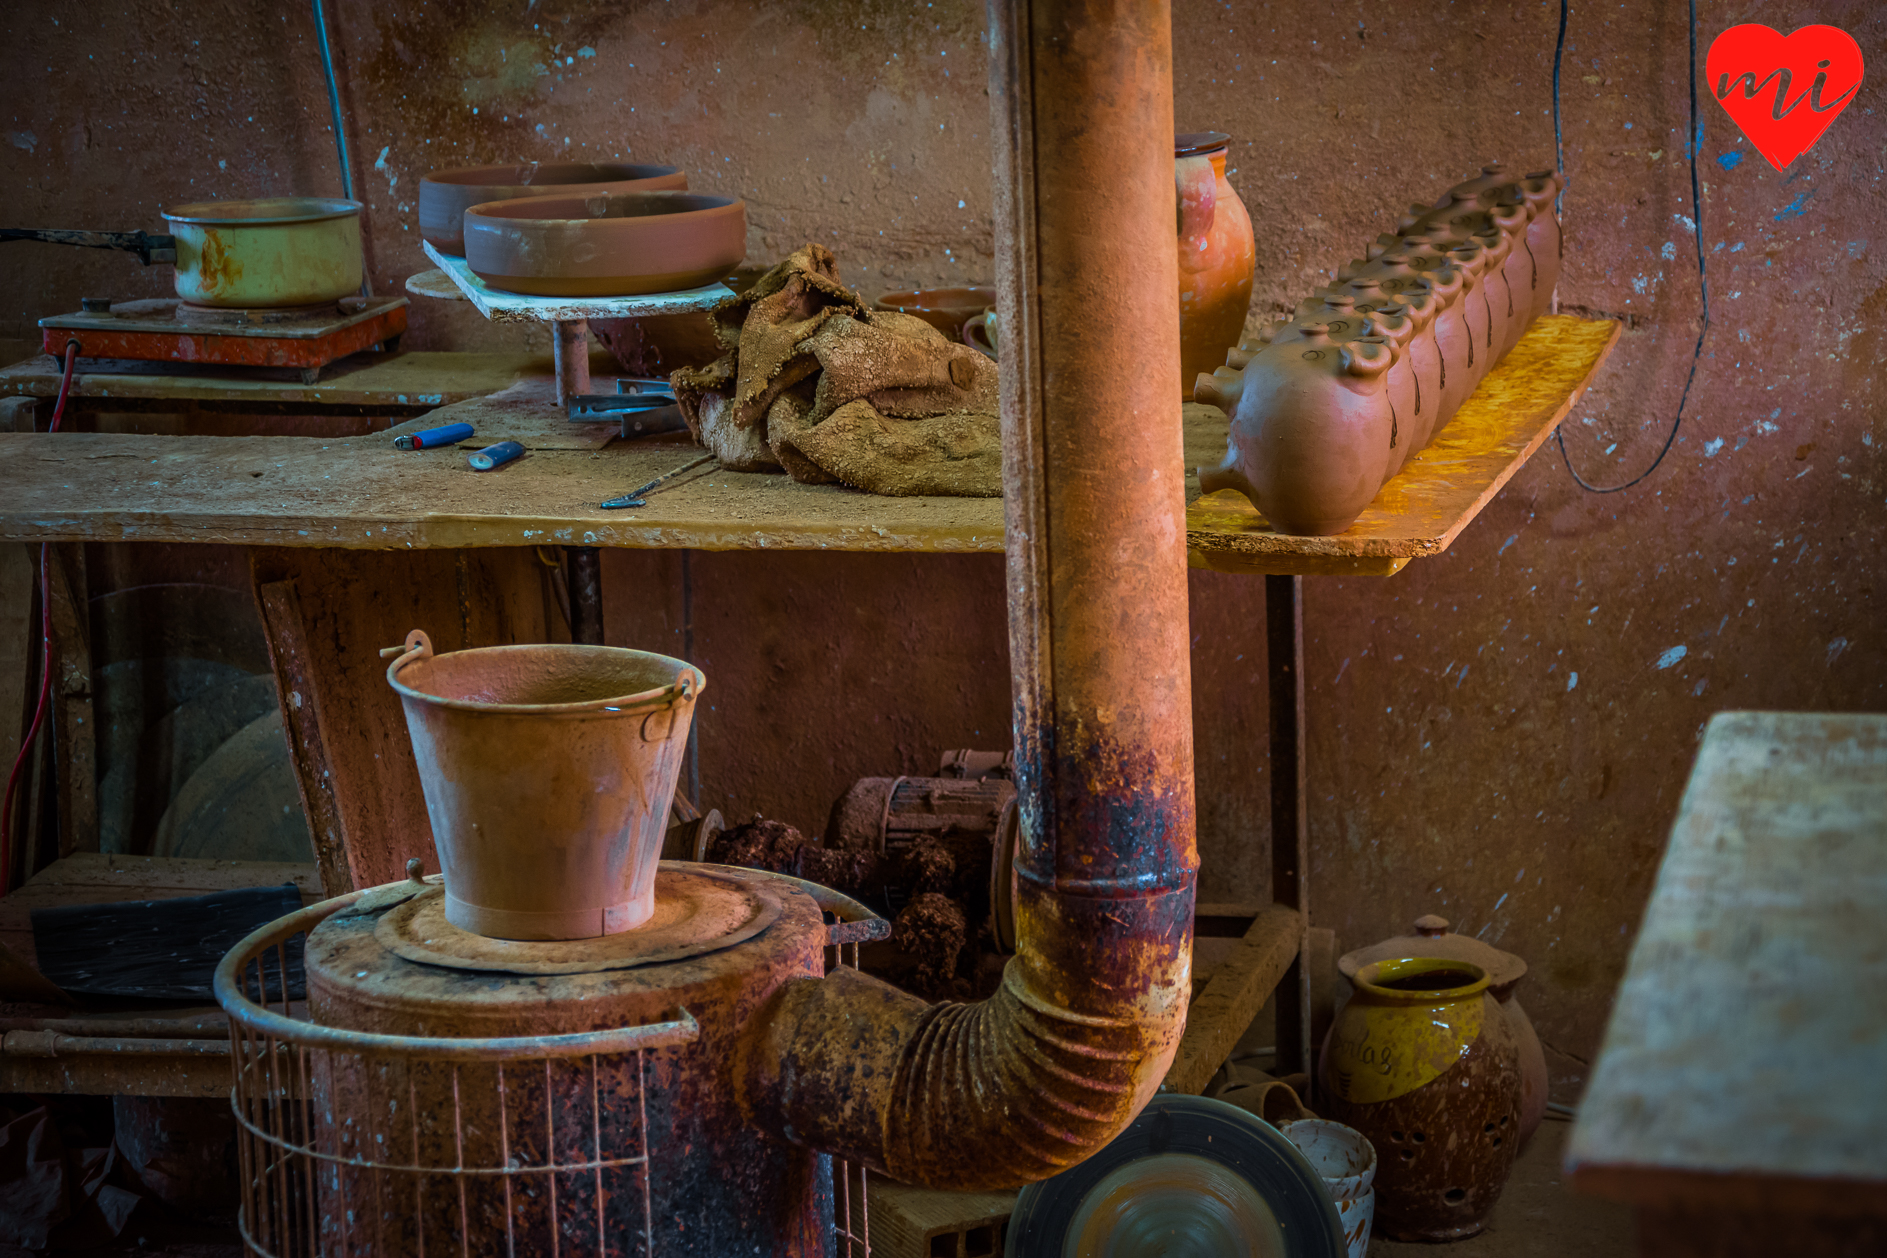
[[1090, 1010]]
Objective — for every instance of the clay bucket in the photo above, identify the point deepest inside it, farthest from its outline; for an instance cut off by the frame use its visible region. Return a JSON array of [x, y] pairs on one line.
[[548, 773]]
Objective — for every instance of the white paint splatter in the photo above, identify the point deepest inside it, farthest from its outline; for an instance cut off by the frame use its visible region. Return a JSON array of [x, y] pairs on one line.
[[1572, 681], [1835, 649], [1672, 656], [1711, 448]]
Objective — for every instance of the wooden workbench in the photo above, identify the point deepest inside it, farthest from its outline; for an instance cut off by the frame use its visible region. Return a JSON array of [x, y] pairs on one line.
[[1740, 1096], [360, 493]]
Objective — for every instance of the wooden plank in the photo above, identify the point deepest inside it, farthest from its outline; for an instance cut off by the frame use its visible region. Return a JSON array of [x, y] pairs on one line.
[[503, 307], [418, 378], [1237, 990], [287, 637], [119, 1074], [105, 878], [360, 493], [1743, 1066]]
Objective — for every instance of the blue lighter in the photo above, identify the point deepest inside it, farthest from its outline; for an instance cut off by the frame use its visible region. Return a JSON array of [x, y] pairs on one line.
[[495, 456], [445, 435]]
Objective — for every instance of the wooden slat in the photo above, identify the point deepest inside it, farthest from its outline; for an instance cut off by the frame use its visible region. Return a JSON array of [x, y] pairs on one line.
[[359, 493], [104, 878], [1745, 1065], [1236, 991], [287, 635]]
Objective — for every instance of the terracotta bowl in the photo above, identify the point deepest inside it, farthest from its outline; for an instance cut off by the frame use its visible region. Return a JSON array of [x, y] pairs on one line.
[[946, 309], [617, 244], [445, 195]]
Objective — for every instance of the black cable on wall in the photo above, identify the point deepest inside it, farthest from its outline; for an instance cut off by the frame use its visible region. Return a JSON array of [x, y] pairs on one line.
[[1693, 141]]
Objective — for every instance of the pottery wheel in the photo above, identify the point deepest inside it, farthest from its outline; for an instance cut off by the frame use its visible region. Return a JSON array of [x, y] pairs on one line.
[[696, 912]]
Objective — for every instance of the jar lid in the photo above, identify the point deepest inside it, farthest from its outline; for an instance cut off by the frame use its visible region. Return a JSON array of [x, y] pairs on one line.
[[1199, 143], [1432, 938]]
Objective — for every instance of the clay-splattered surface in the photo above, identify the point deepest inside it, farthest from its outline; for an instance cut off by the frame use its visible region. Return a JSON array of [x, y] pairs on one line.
[[1499, 734]]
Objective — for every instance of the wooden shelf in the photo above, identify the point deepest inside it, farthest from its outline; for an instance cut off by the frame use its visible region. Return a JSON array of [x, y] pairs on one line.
[[389, 382], [361, 493]]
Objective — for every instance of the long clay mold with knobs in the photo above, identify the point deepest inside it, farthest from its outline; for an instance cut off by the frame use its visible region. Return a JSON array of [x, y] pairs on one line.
[[1329, 405]]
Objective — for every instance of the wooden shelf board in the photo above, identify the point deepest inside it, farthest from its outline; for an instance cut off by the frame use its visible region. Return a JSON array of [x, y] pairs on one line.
[[416, 379], [360, 493]]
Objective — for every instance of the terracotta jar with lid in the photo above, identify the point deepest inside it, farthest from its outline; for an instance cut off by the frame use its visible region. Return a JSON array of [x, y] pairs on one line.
[[1433, 938], [1215, 256]]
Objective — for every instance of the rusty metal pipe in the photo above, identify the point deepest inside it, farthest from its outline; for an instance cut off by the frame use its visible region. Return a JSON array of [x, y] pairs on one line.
[[1090, 1010]]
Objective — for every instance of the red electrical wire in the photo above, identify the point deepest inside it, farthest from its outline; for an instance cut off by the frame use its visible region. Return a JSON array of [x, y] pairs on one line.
[[45, 659]]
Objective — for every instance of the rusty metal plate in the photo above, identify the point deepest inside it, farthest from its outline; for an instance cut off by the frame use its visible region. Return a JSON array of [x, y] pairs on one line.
[[697, 911]]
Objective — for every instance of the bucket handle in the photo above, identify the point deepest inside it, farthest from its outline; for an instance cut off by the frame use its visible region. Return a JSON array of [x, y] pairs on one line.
[[684, 692], [416, 647]]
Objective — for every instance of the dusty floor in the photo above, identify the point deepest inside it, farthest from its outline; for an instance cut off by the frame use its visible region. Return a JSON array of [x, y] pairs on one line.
[[1537, 1216]]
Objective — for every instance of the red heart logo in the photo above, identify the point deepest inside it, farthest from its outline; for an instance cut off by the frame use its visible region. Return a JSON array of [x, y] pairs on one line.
[[1783, 90]]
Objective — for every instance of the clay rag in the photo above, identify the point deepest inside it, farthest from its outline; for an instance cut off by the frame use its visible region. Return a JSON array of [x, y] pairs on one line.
[[817, 384]]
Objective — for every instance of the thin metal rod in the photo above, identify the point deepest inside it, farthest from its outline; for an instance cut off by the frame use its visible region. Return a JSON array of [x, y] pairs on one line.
[[1290, 830], [340, 123], [634, 497], [688, 654]]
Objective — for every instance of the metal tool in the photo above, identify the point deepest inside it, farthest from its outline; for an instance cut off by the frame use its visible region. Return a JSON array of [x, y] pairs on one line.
[[634, 497], [644, 405], [444, 435], [495, 456]]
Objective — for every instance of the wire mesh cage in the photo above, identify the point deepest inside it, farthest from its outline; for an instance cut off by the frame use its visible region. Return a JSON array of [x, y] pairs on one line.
[[356, 1143]]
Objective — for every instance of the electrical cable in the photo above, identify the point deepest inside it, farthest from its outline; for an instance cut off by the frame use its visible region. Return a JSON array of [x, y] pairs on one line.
[[45, 660], [1693, 141]]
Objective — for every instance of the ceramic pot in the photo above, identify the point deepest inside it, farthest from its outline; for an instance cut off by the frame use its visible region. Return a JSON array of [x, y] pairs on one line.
[[1423, 1061], [946, 309], [1431, 937], [1309, 439], [1346, 1161], [616, 244], [445, 195], [1215, 256]]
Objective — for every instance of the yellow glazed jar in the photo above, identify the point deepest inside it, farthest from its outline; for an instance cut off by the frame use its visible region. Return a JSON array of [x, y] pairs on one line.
[[1424, 1062]]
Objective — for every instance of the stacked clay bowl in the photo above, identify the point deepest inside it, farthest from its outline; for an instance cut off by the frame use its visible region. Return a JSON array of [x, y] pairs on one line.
[[445, 195], [618, 244]]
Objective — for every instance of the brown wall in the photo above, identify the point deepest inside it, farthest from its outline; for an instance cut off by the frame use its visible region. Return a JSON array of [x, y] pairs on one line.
[[1456, 768]]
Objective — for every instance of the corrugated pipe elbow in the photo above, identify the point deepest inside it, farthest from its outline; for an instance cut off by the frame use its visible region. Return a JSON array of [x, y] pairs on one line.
[[991, 1095]]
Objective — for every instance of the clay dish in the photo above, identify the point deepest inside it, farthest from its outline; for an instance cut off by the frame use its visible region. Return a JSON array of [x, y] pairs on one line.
[[445, 195], [617, 244], [946, 309]]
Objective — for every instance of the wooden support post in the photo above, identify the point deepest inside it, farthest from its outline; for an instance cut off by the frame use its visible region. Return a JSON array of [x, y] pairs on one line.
[[570, 348], [1290, 842], [585, 582], [70, 721]]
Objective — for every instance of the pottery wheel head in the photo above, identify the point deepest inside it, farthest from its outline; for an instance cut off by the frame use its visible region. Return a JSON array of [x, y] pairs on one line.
[[1173, 1205]]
